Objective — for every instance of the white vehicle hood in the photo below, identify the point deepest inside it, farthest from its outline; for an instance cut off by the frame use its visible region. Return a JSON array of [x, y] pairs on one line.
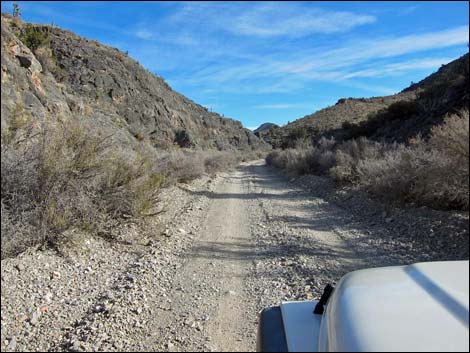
[[421, 307]]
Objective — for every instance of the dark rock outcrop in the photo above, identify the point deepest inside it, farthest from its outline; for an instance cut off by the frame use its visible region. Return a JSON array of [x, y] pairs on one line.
[[68, 74]]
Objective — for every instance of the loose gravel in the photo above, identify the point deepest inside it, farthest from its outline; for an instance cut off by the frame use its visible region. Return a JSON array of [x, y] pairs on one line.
[[224, 249]]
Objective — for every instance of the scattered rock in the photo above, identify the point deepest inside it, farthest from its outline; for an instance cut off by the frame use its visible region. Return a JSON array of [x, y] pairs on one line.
[[25, 61], [12, 344], [34, 318], [44, 308], [48, 298]]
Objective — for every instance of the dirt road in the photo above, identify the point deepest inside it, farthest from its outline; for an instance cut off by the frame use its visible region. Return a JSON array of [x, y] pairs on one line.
[[261, 241], [230, 247]]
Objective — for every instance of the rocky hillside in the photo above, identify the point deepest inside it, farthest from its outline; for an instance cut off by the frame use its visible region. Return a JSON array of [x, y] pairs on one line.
[[398, 117], [265, 127], [264, 132], [50, 71]]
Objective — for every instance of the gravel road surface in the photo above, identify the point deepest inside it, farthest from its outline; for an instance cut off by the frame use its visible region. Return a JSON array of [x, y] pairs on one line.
[[225, 248]]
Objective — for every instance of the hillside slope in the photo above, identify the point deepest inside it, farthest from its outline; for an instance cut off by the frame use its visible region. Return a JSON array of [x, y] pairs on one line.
[[395, 118], [65, 74]]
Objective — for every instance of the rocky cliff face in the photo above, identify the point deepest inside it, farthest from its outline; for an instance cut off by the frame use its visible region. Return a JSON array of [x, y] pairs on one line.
[[65, 74]]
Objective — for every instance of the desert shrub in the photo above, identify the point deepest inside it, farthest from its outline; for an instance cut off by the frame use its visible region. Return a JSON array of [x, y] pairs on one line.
[[321, 158], [69, 175], [320, 161], [418, 175], [452, 137], [186, 165], [313, 160], [18, 230], [183, 139], [346, 125], [292, 161], [219, 161], [298, 137], [400, 110], [434, 173], [350, 153], [182, 166], [131, 186], [20, 204], [279, 158], [33, 37], [296, 162], [250, 155], [272, 157]]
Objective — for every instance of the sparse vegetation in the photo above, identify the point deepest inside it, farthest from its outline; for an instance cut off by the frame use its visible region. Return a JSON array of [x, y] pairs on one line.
[[184, 165], [401, 110], [433, 172], [16, 11], [33, 37], [66, 174]]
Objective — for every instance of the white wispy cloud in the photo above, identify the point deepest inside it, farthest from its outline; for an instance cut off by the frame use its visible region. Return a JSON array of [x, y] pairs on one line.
[[351, 60], [408, 10], [399, 68], [378, 48], [263, 64], [253, 47], [268, 19], [290, 19], [144, 34]]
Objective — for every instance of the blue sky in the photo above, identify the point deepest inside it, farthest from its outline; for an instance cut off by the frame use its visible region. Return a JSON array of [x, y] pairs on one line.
[[272, 61]]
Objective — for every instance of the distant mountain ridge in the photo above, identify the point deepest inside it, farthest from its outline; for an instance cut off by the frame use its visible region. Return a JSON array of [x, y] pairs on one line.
[[265, 127]]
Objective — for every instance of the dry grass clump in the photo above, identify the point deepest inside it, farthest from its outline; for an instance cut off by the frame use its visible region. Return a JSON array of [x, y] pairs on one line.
[[60, 175], [314, 160], [184, 165], [433, 172], [219, 161], [290, 160], [66, 174], [350, 154]]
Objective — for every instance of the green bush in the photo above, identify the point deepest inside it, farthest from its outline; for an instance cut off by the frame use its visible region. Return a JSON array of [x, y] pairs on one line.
[[34, 37]]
